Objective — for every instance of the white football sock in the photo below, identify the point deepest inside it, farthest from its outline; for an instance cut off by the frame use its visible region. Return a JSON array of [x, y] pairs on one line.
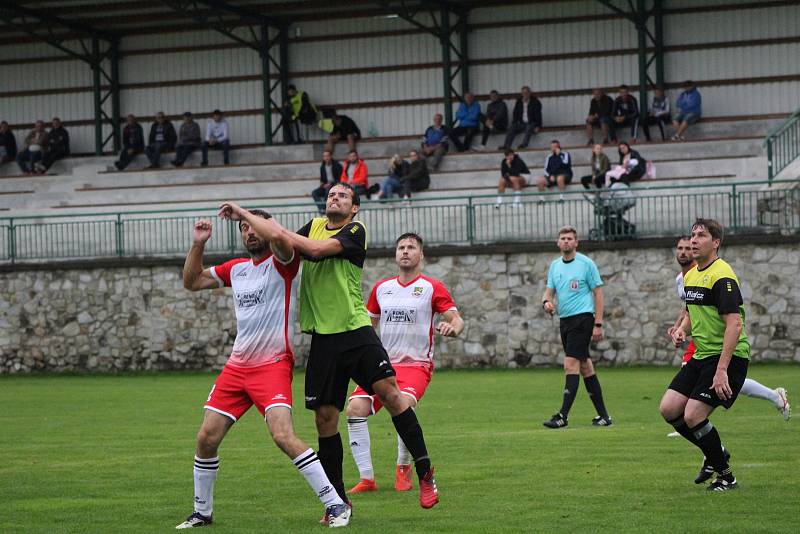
[[205, 474], [309, 466], [360, 446], [517, 196], [403, 456], [751, 388], [499, 199]]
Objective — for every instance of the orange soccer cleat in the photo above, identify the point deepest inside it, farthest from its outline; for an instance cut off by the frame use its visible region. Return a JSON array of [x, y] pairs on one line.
[[363, 486], [402, 478]]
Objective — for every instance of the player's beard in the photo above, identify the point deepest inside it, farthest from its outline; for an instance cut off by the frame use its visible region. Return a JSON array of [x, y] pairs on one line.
[[257, 248], [686, 262]]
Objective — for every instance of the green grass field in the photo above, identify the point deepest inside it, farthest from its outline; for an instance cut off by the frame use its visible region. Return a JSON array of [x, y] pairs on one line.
[[114, 454]]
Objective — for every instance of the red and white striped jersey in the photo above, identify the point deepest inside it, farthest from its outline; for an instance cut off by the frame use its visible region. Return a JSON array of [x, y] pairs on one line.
[[407, 313], [265, 300]]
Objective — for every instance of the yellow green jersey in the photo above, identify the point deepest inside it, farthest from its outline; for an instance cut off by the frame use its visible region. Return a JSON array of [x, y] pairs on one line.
[[331, 300], [711, 293]]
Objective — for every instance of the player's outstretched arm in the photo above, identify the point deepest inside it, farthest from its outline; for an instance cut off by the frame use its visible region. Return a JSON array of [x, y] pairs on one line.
[[195, 277], [453, 324], [270, 230]]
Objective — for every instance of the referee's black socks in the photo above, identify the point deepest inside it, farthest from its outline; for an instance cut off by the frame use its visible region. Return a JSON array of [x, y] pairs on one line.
[[331, 456], [571, 383], [596, 394], [683, 429], [708, 440], [410, 432]]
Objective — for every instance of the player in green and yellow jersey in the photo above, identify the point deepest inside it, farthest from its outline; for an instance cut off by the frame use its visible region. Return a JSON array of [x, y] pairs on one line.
[[716, 372], [343, 343]]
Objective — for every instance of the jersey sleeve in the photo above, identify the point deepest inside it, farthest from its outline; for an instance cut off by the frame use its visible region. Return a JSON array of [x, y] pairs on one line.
[[353, 237], [441, 300], [305, 230], [222, 273], [373, 307], [727, 296], [288, 270], [593, 277], [551, 283]]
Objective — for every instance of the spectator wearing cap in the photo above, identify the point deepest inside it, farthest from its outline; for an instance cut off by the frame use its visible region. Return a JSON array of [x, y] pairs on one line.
[[132, 142], [189, 139], [217, 138], [8, 143], [162, 139], [57, 146]]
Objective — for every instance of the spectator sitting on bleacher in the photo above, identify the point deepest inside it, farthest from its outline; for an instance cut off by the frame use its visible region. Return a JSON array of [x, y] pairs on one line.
[[435, 140], [217, 138], [526, 117], [468, 117], [600, 165], [658, 114], [298, 109], [689, 105], [418, 179], [625, 113], [514, 172], [599, 115], [57, 146], [344, 128], [632, 166], [8, 143], [398, 169], [132, 142], [35, 143], [189, 140], [495, 120], [330, 172], [162, 139], [557, 170], [355, 173]]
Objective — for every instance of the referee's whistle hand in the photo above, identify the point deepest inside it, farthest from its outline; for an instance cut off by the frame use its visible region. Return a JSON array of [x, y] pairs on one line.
[[721, 386], [549, 308]]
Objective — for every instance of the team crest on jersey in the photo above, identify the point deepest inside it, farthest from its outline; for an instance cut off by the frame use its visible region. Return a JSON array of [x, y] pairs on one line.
[[573, 284], [705, 279], [418, 290]]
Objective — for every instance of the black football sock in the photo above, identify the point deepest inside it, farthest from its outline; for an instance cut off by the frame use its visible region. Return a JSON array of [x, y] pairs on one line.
[[708, 440], [570, 390], [683, 429], [331, 456], [596, 394], [410, 432]]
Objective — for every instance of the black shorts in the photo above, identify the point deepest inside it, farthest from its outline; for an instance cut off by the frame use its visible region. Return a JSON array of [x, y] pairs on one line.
[[576, 334], [695, 378], [552, 180], [336, 358]]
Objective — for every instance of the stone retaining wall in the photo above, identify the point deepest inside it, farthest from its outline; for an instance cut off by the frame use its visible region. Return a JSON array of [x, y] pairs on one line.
[[140, 317]]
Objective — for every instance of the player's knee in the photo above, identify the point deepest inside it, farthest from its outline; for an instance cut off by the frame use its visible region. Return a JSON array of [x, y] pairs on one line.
[[208, 441]]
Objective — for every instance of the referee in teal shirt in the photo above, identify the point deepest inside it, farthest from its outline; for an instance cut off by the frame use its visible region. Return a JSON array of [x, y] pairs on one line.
[[574, 287]]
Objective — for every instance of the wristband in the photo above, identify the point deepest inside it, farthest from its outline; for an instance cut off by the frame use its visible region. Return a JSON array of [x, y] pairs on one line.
[[544, 302]]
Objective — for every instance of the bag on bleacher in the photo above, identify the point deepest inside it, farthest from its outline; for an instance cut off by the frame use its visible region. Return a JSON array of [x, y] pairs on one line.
[[650, 173], [326, 125]]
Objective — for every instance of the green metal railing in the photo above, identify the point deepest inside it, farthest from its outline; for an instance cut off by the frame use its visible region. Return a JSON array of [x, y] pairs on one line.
[[783, 145], [748, 207]]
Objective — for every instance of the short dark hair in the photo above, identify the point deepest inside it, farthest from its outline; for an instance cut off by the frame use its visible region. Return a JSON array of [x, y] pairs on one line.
[[356, 198], [216, 112], [56, 119], [555, 141], [354, 151], [187, 113], [714, 228], [688, 83], [259, 213], [623, 86], [683, 238], [4, 122], [493, 91], [291, 86], [508, 151], [410, 235]]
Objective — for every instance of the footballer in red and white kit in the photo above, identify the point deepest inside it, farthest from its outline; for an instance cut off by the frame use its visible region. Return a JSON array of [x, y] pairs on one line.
[[405, 308], [259, 370]]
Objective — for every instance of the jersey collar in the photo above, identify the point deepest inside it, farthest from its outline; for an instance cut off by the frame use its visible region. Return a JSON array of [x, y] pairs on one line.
[[262, 259], [411, 282]]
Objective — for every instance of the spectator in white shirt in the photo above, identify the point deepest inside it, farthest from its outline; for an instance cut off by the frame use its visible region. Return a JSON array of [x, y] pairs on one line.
[[217, 138]]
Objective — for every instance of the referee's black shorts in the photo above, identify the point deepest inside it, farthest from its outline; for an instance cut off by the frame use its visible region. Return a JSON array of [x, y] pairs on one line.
[[336, 358], [576, 334], [694, 380]]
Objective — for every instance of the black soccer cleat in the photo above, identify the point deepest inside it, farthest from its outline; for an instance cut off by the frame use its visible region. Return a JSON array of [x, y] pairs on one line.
[[195, 520], [557, 421], [599, 420], [707, 471], [723, 483]]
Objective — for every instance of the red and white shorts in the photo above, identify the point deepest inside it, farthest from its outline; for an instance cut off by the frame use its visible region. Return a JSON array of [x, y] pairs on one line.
[[690, 350], [238, 388], [412, 380]]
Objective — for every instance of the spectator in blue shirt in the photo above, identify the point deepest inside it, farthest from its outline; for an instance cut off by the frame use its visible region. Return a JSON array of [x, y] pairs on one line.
[[689, 105], [435, 141], [557, 170], [468, 118]]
